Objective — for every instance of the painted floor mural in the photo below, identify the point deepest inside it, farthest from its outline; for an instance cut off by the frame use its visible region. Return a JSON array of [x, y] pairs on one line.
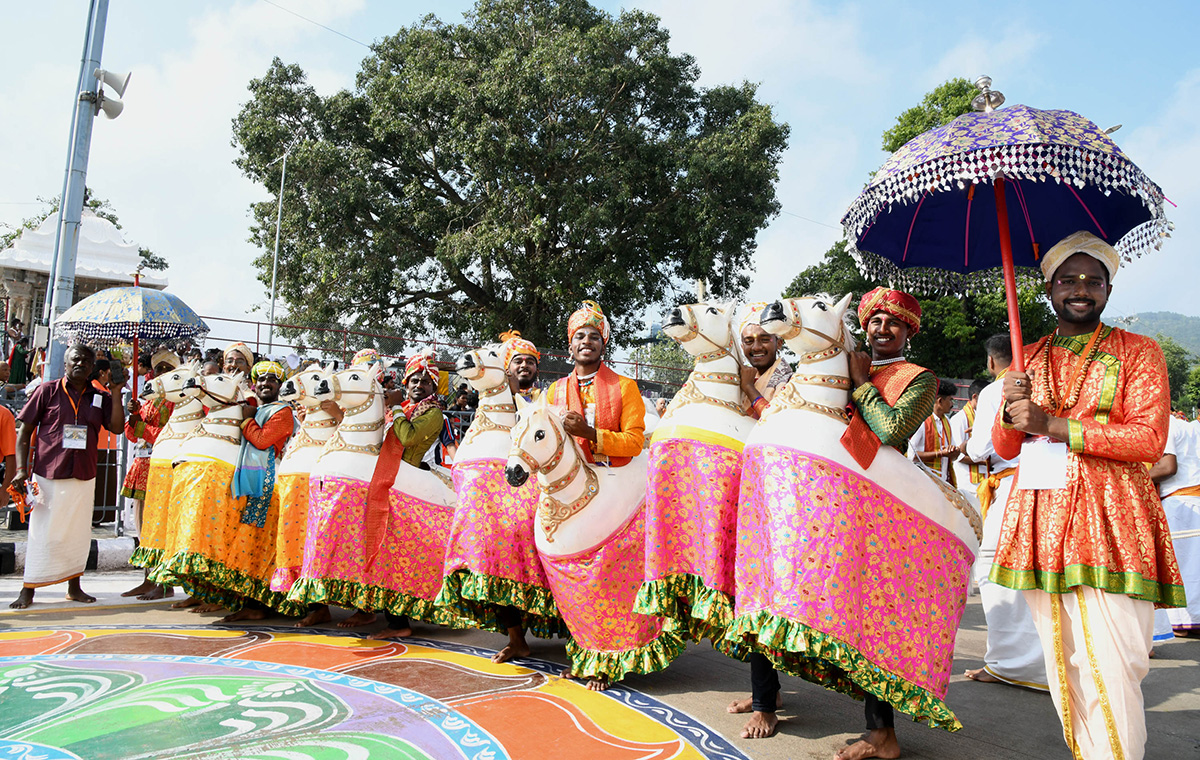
[[280, 694]]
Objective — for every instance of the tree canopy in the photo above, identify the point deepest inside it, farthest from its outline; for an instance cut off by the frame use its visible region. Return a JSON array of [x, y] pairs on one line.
[[494, 173], [953, 328]]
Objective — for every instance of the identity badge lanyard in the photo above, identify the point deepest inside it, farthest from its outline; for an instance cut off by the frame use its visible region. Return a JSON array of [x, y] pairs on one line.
[[1043, 460], [74, 436]]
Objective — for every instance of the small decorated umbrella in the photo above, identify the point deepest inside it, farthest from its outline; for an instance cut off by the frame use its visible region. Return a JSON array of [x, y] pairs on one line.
[[924, 221], [119, 315]]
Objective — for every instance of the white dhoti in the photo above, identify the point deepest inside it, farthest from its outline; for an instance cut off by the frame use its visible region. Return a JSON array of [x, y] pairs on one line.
[[60, 531], [1097, 653], [1183, 518], [1014, 653]]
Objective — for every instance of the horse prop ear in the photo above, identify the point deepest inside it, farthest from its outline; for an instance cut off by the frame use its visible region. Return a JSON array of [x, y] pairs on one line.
[[521, 403], [840, 307]]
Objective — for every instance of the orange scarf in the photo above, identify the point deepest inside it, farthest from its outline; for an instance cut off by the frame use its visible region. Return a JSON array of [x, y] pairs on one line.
[[937, 437], [606, 386], [859, 439]]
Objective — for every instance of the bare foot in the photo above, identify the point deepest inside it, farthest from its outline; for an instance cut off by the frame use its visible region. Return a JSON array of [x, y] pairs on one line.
[[75, 593], [739, 706], [761, 725], [245, 613], [157, 591], [510, 652], [880, 742], [144, 587], [593, 684], [315, 617], [391, 633], [23, 600], [359, 618], [202, 607], [981, 675], [182, 604]]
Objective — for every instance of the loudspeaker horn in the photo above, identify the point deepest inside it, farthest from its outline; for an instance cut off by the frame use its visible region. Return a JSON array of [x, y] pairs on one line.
[[110, 106], [114, 79]]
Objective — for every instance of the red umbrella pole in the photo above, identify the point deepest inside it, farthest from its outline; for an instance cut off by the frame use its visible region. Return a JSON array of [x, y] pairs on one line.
[[137, 281], [1010, 279]]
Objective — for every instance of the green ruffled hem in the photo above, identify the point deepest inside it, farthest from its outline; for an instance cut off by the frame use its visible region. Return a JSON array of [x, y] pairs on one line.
[[1130, 584], [130, 493], [807, 653], [361, 596], [699, 611], [613, 666], [217, 583], [474, 598], [145, 557]]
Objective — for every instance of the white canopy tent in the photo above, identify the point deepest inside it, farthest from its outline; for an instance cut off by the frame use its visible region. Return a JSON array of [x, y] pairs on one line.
[[105, 259]]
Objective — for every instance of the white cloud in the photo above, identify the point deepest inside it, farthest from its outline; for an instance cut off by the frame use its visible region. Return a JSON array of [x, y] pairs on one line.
[[1168, 150], [1002, 57]]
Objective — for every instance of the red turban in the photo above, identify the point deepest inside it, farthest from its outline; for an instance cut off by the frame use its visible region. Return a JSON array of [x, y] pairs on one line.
[[421, 362], [899, 304]]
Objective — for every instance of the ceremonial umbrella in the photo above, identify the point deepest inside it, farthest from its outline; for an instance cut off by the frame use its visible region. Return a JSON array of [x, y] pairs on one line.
[[118, 315], [924, 222]]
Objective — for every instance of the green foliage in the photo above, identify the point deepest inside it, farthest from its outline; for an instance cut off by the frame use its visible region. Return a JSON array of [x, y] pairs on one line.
[[492, 174], [941, 105], [1179, 364], [664, 361], [1183, 329], [1189, 398]]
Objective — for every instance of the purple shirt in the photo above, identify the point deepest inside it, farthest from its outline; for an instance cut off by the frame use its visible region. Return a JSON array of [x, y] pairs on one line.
[[48, 409]]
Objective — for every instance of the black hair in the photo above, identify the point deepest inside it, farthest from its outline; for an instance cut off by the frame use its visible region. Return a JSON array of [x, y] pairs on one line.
[[83, 347], [999, 347], [976, 388], [947, 388], [144, 360]]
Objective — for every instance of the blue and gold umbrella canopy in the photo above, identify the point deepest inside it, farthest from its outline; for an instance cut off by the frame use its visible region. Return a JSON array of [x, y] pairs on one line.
[[118, 315], [927, 221]]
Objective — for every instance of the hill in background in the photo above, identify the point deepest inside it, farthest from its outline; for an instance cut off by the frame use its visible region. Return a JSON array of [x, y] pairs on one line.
[[1183, 329]]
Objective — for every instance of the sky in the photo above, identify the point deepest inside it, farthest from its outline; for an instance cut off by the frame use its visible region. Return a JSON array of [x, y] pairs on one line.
[[838, 73]]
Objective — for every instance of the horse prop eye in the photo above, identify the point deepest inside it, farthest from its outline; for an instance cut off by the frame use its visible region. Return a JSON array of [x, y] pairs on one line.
[[354, 377], [711, 310], [539, 435], [821, 305]]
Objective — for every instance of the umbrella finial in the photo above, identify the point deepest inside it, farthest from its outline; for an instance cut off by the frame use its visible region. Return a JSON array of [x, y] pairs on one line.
[[988, 99]]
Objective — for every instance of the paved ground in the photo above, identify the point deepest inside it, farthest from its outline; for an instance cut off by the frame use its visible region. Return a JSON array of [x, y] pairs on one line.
[[1001, 723]]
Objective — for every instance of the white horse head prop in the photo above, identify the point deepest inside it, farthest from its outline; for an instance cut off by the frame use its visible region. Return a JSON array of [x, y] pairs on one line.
[[809, 324], [318, 425], [488, 436], [354, 446], [169, 385], [219, 434], [705, 330], [188, 411], [712, 397], [567, 522]]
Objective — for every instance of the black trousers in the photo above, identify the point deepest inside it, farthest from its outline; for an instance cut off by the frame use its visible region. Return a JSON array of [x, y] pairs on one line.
[[764, 684], [879, 713], [396, 621], [508, 617]]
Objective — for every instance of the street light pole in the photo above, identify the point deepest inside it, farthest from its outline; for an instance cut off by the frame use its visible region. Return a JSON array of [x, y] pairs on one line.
[[275, 257], [71, 208]]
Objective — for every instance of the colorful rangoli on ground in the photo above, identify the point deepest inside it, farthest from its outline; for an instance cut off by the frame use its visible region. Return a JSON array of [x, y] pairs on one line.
[[279, 694]]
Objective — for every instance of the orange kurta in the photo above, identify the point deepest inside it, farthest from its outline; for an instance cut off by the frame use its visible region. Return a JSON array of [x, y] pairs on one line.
[[1107, 528], [619, 443]]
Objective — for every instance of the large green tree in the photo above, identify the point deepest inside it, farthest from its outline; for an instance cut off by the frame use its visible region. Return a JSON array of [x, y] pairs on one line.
[[953, 328], [493, 173], [1179, 365]]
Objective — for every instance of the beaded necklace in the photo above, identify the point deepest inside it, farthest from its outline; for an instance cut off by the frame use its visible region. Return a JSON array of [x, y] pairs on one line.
[[1079, 373]]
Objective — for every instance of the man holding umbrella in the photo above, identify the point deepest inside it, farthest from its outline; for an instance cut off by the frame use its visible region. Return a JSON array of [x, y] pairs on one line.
[[1084, 534]]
